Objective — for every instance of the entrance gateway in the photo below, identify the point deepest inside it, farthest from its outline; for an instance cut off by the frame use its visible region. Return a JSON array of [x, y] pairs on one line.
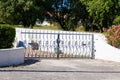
[[57, 44]]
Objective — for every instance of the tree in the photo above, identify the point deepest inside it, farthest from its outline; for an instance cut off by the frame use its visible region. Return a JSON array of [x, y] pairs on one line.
[[65, 12], [68, 13], [19, 11], [102, 12], [116, 12]]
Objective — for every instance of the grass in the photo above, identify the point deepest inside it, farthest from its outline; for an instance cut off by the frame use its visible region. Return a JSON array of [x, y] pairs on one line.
[[51, 27], [20, 26], [48, 27], [57, 27]]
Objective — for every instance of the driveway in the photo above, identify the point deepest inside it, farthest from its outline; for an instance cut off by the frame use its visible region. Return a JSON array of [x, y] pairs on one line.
[[62, 69]]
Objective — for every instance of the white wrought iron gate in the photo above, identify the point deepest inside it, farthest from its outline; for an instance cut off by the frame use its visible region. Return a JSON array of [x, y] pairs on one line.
[[57, 44]]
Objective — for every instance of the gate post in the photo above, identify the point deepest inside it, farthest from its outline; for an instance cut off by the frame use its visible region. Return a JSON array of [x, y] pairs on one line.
[[58, 46], [93, 55]]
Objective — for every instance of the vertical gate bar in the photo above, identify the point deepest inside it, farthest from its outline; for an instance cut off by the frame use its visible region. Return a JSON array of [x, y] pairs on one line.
[[43, 53], [82, 48], [84, 42], [24, 38], [86, 45], [46, 45], [75, 45], [90, 46], [69, 46], [54, 44], [92, 53], [65, 38], [63, 43], [88, 38], [38, 44], [79, 51], [58, 46]]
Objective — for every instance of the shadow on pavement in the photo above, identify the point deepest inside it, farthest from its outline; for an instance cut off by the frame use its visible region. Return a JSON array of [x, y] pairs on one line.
[[27, 62]]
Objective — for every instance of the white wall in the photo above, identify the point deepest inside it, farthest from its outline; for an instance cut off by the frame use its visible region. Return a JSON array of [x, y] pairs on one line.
[[13, 56], [104, 50]]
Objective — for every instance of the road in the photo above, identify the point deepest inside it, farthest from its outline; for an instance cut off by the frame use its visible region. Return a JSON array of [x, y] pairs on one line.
[[62, 69]]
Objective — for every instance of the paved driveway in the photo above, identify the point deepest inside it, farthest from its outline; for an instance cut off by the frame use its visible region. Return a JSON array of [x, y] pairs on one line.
[[63, 69]]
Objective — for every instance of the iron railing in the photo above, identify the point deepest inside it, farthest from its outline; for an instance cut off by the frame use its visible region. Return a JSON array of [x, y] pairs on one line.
[[57, 44]]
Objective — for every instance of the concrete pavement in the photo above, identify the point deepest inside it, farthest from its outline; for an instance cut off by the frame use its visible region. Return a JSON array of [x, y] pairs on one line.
[[63, 69]]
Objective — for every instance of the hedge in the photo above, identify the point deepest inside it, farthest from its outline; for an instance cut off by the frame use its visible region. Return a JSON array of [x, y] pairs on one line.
[[7, 36]]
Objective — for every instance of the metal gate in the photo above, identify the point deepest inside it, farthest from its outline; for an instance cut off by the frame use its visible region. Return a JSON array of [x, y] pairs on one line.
[[57, 44]]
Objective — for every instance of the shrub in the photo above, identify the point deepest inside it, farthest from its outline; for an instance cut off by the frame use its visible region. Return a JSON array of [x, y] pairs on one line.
[[7, 35], [116, 20], [113, 35]]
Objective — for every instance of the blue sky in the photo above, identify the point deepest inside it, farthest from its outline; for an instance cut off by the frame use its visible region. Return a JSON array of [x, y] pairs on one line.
[[62, 3]]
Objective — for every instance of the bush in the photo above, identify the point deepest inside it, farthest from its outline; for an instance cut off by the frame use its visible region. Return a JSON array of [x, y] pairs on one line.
[[113, 35], [7, 36], [116, 20]]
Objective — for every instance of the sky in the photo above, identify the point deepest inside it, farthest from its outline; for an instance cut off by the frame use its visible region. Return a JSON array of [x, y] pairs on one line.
[[62, 3]]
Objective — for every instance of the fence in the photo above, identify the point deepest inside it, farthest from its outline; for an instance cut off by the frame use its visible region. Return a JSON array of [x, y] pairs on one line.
[[56, 44]]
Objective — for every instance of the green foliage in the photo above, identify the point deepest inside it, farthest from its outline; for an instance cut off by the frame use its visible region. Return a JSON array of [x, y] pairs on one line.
[[90, 12], [116, 20], [19, 12], [7, 35], [113, 35], [102, 12]]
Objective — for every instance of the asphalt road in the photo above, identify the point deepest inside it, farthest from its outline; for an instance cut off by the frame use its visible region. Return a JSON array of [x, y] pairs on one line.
[[63, 69]]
